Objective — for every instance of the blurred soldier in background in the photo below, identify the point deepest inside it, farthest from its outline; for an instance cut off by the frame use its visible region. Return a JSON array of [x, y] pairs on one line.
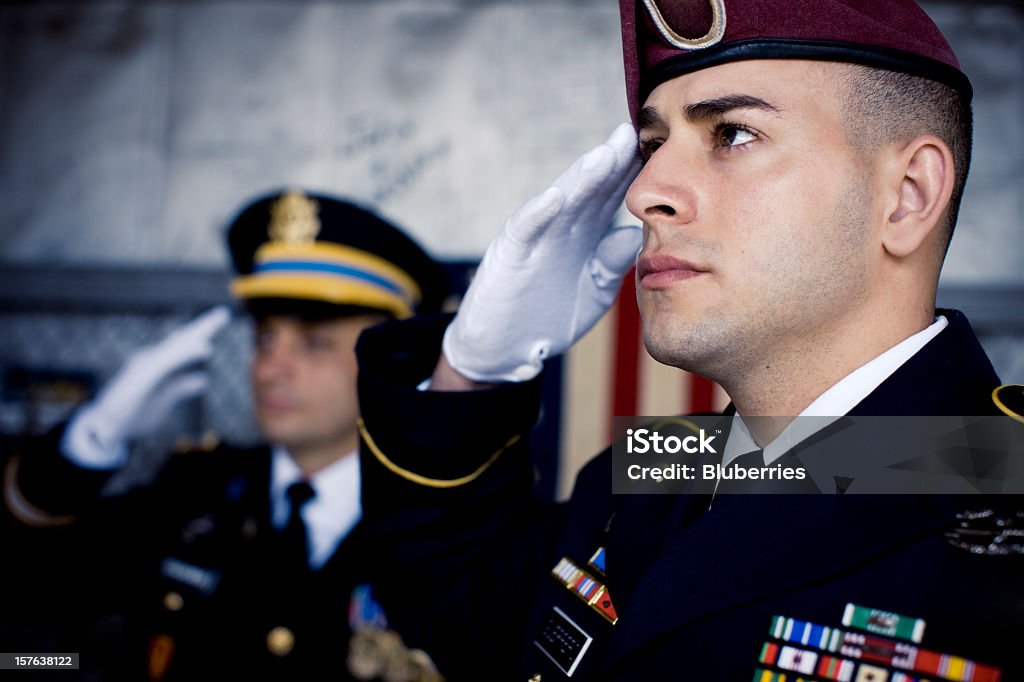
[[237, 562]]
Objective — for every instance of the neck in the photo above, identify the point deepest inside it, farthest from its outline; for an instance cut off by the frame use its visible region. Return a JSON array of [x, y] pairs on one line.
[[769, 393], [313, 457]]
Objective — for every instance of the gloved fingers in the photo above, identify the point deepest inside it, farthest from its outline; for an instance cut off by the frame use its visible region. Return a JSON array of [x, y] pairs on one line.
[[185, 385], [147, 369], [529, 222], [604, 166], [584, 193], [198, 332], [190, 343], [623, 141], [614, 194], [615, 254], [606, 174], [588, 179], [173, 392], [608, 158], [208, 323]]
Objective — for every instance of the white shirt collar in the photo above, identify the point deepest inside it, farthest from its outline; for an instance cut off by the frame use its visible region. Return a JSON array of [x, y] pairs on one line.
[[329, 516], [839, 399]]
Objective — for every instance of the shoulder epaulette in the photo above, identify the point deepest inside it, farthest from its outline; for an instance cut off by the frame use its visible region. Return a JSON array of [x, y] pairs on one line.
[[1010, 400]]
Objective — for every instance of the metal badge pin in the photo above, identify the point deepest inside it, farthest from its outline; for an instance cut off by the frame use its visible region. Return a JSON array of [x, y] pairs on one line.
[[712, 37]]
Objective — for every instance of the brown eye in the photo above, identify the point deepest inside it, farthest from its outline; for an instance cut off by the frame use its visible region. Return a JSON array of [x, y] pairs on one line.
[[731, 135]]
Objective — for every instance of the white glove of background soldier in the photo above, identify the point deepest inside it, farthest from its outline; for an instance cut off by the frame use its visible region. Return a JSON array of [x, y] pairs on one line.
[[142, 394], [552, 272]]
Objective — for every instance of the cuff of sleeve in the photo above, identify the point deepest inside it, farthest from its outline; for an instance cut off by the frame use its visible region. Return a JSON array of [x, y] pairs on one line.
[[436, 435]]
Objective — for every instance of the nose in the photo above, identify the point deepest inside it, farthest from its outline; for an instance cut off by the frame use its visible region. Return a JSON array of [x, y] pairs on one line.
[[275, 357], [663, 194]]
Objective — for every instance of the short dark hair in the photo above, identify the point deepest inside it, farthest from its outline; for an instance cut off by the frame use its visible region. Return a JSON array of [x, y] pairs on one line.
[[884, 106]]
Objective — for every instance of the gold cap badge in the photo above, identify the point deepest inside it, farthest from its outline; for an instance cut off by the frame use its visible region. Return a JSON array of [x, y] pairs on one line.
[[293, 219], [712, 37]]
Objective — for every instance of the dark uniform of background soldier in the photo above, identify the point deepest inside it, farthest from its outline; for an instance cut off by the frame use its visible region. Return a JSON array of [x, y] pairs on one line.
[[219, 578], [801, 169]]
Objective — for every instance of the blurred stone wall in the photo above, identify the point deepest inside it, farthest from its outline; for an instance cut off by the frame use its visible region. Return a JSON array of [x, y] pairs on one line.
[[130, 131]]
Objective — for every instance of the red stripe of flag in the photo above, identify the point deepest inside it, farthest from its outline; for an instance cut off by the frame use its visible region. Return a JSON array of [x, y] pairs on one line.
[[626, 389], [702, 394]]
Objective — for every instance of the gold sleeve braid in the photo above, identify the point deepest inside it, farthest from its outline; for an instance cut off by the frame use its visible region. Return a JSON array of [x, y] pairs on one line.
[[21, 508], [424, 480]]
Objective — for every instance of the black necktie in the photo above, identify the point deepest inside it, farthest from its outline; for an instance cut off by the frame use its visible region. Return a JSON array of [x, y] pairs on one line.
[[295, 536]]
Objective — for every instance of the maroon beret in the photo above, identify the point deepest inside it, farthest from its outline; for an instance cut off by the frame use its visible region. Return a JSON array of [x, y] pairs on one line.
[[662, 39]]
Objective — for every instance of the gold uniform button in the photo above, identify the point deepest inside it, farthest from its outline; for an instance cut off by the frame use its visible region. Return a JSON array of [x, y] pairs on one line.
[[173, 601], [280, 641]]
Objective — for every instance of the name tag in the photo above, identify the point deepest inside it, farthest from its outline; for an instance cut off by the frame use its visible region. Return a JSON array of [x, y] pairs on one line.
[[563, 641]]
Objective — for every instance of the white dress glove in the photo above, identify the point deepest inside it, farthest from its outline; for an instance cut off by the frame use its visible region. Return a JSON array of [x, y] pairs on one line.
[[141, 395], [552, 272]]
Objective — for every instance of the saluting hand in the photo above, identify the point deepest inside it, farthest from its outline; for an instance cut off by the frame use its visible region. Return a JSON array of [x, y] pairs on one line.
[[141, 395], [552, 272]]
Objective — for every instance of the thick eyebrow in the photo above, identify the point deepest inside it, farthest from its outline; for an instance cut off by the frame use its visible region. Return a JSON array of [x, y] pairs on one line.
[[713, 108], [705, 109], [649, 118]]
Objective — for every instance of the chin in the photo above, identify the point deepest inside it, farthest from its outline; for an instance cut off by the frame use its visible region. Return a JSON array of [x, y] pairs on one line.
[[667, 349], [672, 357], [276, 430], [689, 347]]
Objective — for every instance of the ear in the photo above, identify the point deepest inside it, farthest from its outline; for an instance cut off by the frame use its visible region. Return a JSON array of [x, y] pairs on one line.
[[922, 176]]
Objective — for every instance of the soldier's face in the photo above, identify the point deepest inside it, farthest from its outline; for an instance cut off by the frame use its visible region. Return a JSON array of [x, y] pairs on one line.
[[304, 382], [757, 215]]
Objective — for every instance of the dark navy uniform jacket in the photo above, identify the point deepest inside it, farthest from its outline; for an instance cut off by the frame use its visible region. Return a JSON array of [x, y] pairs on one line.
[[209, 591], [469, 556]]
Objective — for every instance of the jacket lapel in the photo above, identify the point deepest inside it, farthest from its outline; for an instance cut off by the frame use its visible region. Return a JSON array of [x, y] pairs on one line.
[[350, 553], [744, 548]]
